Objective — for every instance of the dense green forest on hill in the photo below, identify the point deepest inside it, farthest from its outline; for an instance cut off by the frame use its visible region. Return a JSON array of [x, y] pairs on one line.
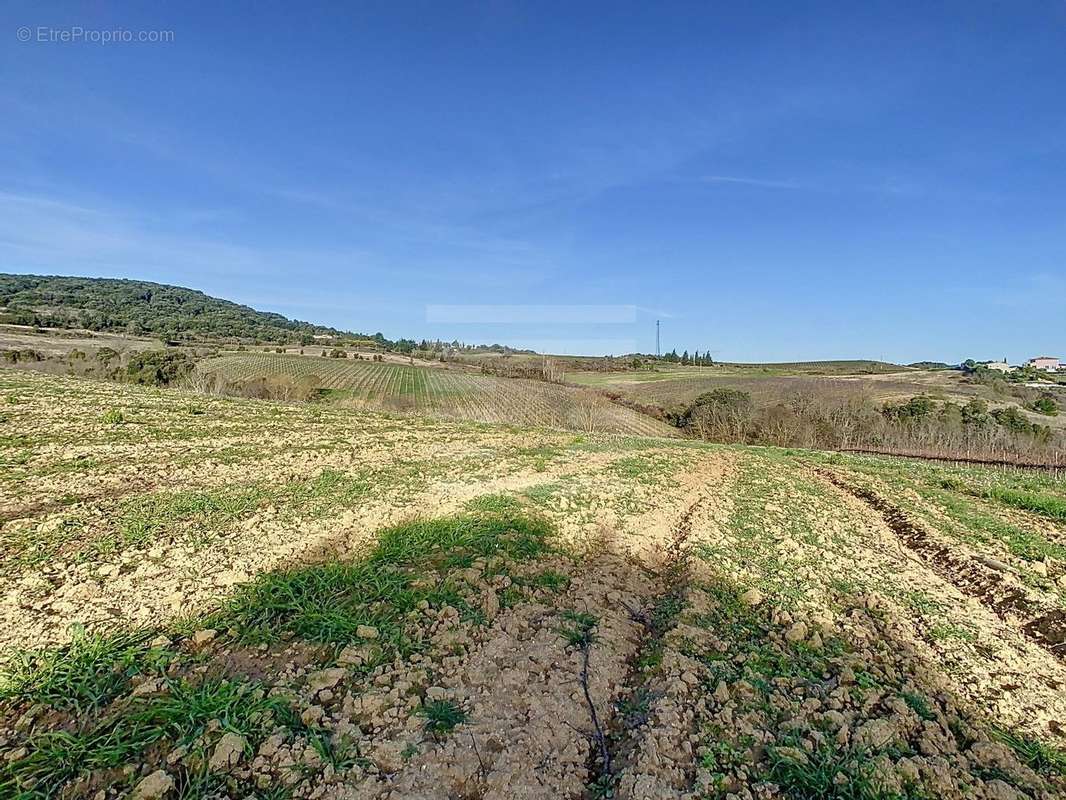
[[144, 308]]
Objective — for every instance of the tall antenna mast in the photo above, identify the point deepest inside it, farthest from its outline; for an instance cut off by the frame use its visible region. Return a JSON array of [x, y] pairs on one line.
[[657, 351]]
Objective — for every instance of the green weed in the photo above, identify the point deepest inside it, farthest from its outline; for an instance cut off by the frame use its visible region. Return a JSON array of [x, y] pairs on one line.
[[634, 709], [922, 603], [579, 628], [918, 704], [948, 631], [142, 518], [721, 755], [830, 773], [644, 469], [441, 716], [325, 604], [113, 416], [549, 579], [757, 658]]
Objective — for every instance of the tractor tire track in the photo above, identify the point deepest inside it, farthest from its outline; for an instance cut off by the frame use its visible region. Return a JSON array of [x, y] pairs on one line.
[[653, 731], [983, 579]]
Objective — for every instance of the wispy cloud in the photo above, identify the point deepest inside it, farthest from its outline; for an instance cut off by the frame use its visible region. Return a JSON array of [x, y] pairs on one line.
[[657, 312], [43, 233], [765, 184]]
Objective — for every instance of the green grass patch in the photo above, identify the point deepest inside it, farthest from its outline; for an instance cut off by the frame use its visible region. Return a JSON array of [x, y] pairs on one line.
[[830, 773], [1043, 758], [918, 704], [178, 717], [959, 501], [948, 631], [545, 494], [1044, 504], [495, 504], [551, 580], [144, 517], [327, 603], [763, 500], [650, 470], [541, 454], [758, 658], [1029, 545], [87, 673]]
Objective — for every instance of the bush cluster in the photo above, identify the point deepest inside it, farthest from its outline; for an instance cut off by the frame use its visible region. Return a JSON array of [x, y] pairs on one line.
[[920, 423]]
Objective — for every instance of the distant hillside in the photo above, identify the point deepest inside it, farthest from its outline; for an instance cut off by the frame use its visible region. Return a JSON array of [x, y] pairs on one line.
[[143, 308], [932, 365], [838, 367]]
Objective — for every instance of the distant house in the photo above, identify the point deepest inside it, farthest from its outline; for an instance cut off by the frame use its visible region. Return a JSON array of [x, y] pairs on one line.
[[998, 366], [1045, 363]]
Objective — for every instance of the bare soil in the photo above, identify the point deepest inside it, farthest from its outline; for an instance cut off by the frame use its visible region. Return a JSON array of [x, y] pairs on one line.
[[704, 622]]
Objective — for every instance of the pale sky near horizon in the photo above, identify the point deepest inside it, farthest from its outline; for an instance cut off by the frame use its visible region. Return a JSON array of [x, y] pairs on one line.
[[774, 181]]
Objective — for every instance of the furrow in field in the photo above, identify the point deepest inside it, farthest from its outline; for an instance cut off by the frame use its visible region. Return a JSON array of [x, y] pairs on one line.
[[988, 581]]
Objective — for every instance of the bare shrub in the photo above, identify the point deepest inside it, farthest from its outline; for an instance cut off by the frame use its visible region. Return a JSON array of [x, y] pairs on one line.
[[551, 371], [588, 411], [267, 387], [205, 382]]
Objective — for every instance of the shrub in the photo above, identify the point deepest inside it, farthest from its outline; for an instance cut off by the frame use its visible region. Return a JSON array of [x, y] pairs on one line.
[[722, 413], [975, 413], [113, 417], [1045, 405], [158, 367], [1013, 419], [724, 398], [914, 410], [26, 354]]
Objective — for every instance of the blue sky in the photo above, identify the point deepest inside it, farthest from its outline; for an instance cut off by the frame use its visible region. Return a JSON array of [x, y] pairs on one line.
[[775, 181]]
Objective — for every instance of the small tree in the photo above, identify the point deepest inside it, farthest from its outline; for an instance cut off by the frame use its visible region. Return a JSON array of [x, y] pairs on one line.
[[1046, 405]]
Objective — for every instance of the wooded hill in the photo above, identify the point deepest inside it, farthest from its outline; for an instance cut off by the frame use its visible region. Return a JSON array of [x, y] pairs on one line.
[[146, 308]]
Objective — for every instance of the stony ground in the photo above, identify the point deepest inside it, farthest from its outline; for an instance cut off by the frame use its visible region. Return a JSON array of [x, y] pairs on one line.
[[224, 598]]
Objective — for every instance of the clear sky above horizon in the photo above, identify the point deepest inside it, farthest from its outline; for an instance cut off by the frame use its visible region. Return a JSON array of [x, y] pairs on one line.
[[774, 181]]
